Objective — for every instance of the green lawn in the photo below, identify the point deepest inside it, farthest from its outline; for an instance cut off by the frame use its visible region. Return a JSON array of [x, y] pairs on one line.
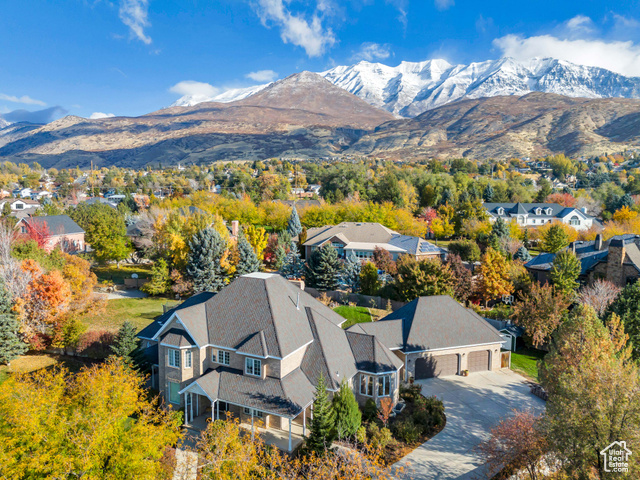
[[524, 361], [37, 361], [139, 311], [117, 275], [353, 315]]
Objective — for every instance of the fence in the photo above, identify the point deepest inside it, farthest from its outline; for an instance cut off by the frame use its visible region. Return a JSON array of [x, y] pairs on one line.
[[369, 301]]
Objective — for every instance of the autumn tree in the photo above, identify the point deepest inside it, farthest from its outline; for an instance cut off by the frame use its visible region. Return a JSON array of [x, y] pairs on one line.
[[540, 311], [517, 442], [463, 287], [555, 239], [599, 295], [158, 284], [323, 268], [257, 237], [594, 393], [420, 278], [98, 423], [383, 260], [494, 276], [81, 280], [565, 271], [627, 308], [206, 259]]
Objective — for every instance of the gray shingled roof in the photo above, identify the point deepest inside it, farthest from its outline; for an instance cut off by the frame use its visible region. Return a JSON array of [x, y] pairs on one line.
[[431, 323], [351, 231], [371, 355], [529, 209], [177, 338], [150, 330], [56, 224]]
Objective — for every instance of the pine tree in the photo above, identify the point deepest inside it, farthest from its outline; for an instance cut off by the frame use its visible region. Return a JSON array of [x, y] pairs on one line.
[[346, 413], [500, 228], [126, 341], [248, 262], [565, 271], [525, 238], [522, 254], [292, 266], [294, 227], [10, 344], [323, 268], [555, 239], [159, 282], [321, 431], [204, 265], [351, 272], [487, 195]]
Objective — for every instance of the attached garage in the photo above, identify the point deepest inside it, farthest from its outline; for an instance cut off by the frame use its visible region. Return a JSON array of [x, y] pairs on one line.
[[478, 361], [436, 366]]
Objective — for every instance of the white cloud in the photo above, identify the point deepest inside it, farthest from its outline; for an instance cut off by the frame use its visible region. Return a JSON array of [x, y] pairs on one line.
[[625, 22], [262, 76], [620, 57], [98, 115], [295, 29], [401, 6], [27, 100], [191, 87], [580, 23], [372, 51], [444, 4], [133, 14]]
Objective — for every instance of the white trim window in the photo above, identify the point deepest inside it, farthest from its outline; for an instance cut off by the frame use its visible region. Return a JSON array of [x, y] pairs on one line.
[[253, 366], [223, 357], [174, 358], [188, 359], [384, 386], [256, 413], [366, 385]]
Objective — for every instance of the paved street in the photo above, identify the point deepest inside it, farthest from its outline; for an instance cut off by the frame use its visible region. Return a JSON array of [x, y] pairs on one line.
[[473, 405]]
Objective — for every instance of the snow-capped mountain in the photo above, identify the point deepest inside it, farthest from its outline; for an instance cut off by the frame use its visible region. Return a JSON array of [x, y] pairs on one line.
[[4, 123], [225, 97], [412, 88]]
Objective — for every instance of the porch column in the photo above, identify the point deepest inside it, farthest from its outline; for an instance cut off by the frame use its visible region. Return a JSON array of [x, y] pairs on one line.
[[290, 420], [304, 422], [213, 411], [218, 409], [191, 405], [252, 435], [186, 412]]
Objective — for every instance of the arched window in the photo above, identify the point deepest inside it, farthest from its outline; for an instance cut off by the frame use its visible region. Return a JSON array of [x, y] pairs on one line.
[[538, 211], [500, 211], [548, 211], [574, 220]]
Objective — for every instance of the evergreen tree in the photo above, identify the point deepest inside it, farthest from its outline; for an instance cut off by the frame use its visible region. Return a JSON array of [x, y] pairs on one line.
[[522, 254], [351, 272], [10, 344], [447, 197], [500, 228], [294, 227], [555, 239], [565, 271], [292, 266], [346, 413], [627, 307], [126, 341], [525, 238], [248, 261], [159, 282], [323, 268], [488, 193], [545, 190], [369, 279], [204, 265], [321, 431]]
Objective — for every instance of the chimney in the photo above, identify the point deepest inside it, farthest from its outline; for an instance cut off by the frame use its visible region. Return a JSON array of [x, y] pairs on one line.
[[235, 228], [584, 210], [572, 245], [599, 241]]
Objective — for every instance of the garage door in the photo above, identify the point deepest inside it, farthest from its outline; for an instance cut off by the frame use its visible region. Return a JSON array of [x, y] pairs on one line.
[[478, 361], [437, 366]]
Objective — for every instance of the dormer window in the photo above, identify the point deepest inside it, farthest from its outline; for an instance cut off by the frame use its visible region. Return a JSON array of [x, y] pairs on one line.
[[538, 211], [548, 211], [253, 366], [500, 211]]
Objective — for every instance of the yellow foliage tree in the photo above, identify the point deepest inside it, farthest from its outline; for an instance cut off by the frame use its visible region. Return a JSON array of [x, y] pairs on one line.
[[257, 237], [97, 424], [494, 276], [624, 214]]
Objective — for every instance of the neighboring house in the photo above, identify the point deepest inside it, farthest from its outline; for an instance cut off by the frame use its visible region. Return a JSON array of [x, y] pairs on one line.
[[616, 260], [436, 336], [300, 204], [20, 207], [56, 230], [510, 333], [22, 192], [106, 201], [257, 349], [363, 238], [537, 214]]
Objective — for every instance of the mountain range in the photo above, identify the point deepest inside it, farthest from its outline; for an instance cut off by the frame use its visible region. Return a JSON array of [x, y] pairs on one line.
[[415, 110]]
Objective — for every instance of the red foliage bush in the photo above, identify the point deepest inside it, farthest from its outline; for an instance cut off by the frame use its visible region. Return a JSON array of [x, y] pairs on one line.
[[96, 344]]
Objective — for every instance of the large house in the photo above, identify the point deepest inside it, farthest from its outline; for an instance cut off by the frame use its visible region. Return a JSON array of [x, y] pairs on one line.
[[20, 207], [537, 214], [616, 260], [55, 231], [362, 238], [258, 348]]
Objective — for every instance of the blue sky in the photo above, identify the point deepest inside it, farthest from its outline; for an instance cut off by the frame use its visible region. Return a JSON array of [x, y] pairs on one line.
[[131, 57]]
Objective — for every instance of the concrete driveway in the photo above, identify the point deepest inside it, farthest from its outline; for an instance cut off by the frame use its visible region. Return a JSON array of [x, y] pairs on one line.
[[473, 405]]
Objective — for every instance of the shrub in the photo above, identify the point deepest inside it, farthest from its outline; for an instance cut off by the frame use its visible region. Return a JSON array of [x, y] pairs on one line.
[[361, 435], [467, 250], [370, 410], [429, 414], [409, 393], [379, 437], [96, 344], [406, 431]]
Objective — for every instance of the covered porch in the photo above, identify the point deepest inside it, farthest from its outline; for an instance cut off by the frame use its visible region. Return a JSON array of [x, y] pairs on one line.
[[281, 431]]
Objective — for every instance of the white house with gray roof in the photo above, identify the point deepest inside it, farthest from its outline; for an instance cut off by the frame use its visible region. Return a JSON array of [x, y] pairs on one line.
[[258, 348], [537, 214], [362, 238]]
